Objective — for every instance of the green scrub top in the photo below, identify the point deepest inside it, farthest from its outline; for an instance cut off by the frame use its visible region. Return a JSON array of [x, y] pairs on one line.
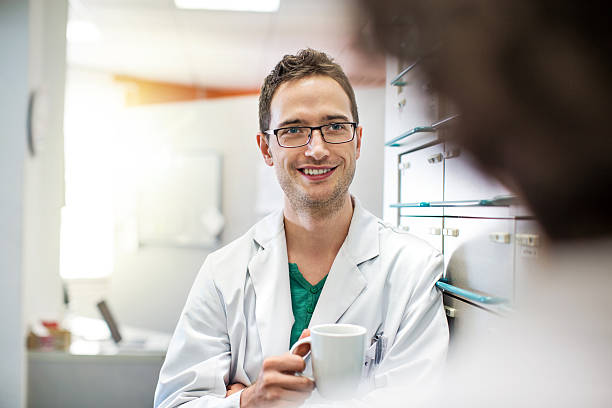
[[304, 297]]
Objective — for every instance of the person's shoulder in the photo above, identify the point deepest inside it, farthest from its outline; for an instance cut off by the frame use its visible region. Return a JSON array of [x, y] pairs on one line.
[[237, 254], [239, 246]]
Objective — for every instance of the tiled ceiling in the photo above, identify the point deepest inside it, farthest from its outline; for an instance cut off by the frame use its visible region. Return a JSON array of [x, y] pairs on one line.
[[151, 39]]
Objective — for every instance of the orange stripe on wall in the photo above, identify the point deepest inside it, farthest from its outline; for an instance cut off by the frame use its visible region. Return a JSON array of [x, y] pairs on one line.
[[146, 92]]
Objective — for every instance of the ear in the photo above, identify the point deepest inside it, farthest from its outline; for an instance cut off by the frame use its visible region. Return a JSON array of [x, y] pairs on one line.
[[358, 134], [264, 148]]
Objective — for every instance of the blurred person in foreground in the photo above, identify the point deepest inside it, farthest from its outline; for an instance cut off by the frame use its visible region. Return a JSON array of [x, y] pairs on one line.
[[532, 80], [321, 259]]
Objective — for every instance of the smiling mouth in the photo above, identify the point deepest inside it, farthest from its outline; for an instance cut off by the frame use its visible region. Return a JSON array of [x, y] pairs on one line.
[[316, 172]]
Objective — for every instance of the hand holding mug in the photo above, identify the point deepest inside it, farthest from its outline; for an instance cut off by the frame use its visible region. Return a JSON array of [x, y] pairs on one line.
[[337, 354], [277, 384]]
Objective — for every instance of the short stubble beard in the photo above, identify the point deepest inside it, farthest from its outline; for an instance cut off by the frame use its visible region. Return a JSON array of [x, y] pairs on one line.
[[326, 207]]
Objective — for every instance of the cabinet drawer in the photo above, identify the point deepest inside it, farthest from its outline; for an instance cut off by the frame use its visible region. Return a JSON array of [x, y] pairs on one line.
[[467, 322], [422, 178], [529, 241], [479, 255], [414, 104], [427, 228], [464, 181]]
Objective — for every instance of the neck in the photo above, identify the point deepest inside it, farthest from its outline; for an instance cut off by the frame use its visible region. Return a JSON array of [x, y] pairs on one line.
[[317, 233]]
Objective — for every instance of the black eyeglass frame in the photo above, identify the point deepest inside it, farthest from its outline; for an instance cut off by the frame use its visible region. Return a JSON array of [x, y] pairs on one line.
[[312, 128]]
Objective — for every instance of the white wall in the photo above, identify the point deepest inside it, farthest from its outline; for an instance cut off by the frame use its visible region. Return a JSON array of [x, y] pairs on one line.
[[226, 126], [149, 286], [32, 37], [44, 172], [368, 182], [13, 100]]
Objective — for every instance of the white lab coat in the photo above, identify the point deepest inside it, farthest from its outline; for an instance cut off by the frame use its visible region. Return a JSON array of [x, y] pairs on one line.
[[239, 309]]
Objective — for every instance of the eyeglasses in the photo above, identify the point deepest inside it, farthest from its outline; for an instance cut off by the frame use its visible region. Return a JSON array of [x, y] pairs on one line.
[[298, 136]]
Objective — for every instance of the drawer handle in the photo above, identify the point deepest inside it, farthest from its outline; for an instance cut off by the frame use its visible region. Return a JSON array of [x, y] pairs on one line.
[[530, 240], [401, 104], [435, 231], [436, 158], [450, 232], [450, 311], [500, 237], [471, 296], [449, 154], [403, 166]]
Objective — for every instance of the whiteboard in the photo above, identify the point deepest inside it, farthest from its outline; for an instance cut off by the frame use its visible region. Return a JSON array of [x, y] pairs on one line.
[[180, 204]]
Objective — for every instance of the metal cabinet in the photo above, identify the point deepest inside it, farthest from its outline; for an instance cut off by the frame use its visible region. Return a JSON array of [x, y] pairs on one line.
[[435, 191], [427, 228], [479, 255], [529, 242], [463, 181], [422, 179], [468, 320], [416, 103]]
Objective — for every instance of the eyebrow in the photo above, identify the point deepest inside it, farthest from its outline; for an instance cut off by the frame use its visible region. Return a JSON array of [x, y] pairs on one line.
[[289, 122]]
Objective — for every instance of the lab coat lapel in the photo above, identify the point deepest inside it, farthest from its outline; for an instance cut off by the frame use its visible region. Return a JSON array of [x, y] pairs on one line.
[[345, 281], [269, 272]]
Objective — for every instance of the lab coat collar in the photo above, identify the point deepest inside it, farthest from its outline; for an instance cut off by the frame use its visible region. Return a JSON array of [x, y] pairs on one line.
[[345, 281], [269, 272], [361, 242], [363, 225]]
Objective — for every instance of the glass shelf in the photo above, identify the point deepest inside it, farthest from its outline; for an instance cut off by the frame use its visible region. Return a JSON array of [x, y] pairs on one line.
[[397, 81], [419, 129], [468, 295], [499, 201]]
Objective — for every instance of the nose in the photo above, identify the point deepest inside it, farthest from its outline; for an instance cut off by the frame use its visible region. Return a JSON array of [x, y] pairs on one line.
[[317, 148]]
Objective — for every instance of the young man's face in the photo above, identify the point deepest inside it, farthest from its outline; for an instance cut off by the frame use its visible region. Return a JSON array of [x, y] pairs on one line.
[[312, 101]]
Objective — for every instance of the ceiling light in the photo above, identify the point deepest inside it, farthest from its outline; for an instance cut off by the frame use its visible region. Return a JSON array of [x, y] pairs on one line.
[[82, 31], [262, 6]]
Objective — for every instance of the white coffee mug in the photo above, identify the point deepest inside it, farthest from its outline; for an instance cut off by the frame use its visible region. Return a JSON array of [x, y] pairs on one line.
[[337, 354]]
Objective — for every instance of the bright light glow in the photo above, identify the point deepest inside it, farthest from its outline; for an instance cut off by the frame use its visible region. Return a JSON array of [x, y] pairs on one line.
[[87, 246], [262, 6], [84, 254], [82, 32]]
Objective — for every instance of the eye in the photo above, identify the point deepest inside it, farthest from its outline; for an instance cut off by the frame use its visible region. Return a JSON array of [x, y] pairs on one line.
[[337, 126], [293, 130]]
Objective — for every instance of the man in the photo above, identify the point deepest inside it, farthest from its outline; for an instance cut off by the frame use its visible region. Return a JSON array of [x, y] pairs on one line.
[[252, 298]]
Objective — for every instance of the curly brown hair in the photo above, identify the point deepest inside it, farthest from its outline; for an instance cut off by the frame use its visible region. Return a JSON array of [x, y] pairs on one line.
[[305, 63]]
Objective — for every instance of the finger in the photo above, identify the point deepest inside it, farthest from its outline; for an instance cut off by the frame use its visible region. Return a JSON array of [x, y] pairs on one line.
[[305, 333], [288, 381], [285, 362], [294, 396], [282, 397], [233, 388], [299, 383], [237, 386]]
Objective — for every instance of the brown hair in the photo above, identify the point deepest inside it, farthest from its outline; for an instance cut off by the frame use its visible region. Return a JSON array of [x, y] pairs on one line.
[[292, 67]]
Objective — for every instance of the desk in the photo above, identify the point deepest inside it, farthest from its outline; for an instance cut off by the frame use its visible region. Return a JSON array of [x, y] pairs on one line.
[[126, 379]]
